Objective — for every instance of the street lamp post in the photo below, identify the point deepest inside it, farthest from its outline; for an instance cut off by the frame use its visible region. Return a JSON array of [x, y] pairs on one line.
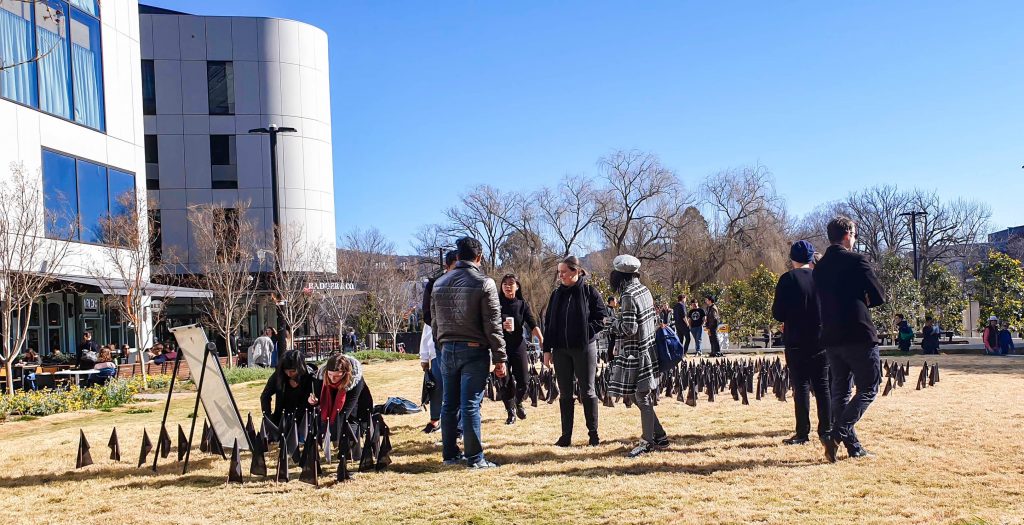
[[273, 130], [913, 238]]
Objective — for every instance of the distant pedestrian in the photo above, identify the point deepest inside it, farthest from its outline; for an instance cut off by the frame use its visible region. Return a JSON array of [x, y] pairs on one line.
[[696, 318], [261, 350], [714, 318], [466, 316], [432, 363], [1006, 340], [682, 326], [634, 369], [796, 305], [930, 336], [847, 287], [517, 315], [904, 333], [991, 336], [574, 316]]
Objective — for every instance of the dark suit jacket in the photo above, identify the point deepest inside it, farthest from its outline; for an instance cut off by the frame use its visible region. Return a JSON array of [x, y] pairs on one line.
[[847, 286], [796, 304]]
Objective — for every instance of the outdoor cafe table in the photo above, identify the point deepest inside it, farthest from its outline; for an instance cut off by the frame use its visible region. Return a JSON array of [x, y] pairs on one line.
[[25, 368], [77, 374]]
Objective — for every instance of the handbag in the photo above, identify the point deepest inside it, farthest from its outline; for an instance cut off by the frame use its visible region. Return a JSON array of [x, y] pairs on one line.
[[670, 350]]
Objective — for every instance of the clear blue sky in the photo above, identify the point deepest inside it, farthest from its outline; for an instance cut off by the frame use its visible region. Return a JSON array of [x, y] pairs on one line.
[[430, 98]]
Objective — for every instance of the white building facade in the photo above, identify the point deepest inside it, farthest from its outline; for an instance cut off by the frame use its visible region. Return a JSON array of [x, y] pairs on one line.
[[207, 81], [74, 117]]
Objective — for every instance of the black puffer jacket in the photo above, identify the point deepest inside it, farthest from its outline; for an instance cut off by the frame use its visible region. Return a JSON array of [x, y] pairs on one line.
[[464, 306], [574, 316]]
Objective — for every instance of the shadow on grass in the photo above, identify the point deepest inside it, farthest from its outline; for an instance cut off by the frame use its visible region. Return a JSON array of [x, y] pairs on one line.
[[644, 468], [109, 471]]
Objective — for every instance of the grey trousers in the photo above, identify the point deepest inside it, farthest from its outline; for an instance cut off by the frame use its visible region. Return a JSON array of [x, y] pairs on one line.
[[652, 430]]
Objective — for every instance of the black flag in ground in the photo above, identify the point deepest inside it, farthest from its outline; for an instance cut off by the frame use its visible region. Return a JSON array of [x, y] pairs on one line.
[[235, 470], [204, 440], [282, 463], [888, 387], [84, 458], [384, 454], [183, 443], [164, 442], [293, 442], [216, 447], [303, 423], [258, 467], [269, 430], [250, 429], [147, 445], [310, 460], [370, 448], [115, 446], [327, 443], [344, 450]]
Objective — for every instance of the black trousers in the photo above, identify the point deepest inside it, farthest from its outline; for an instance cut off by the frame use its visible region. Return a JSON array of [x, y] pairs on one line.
[[683, 331], [518, 366], [716, 348], [849, 366], [581, 364], [807, 373]]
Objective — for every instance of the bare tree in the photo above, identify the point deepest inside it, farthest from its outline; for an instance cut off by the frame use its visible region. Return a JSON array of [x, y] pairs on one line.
[[880, 228], [949, 228], [123, 269], [639, 204], [568, 212], [338, 299], [298, 261], [429, 244], [225, 251], [748, 221], [483, 214], [34, 243], [396, 299]]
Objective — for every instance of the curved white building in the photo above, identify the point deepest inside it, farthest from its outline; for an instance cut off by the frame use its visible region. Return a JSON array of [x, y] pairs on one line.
[[206, 82]]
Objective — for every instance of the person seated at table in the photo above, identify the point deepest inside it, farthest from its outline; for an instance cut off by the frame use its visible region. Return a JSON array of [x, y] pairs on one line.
[[125, 352], [167, 354], [31, 357], [106, 367], [291, 386]]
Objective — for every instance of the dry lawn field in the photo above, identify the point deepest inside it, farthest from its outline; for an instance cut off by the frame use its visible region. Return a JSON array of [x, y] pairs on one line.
[[948, 454]]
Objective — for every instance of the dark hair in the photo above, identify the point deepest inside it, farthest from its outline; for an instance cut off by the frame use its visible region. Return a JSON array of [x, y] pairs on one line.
[[611, 298], [901, 316], [838, 228], [929, 318], [680, 297], [574, 264], [619, 279], [469, 248], [291, 360], [519, 287], [709, 297], [450, 257]]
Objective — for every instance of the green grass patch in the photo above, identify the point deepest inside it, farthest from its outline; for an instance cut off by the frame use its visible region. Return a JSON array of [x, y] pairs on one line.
[[381, 355], [245, 374], [138, 411]]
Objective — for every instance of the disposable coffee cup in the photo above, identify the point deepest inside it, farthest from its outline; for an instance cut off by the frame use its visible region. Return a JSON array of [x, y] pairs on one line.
[[511, 320]]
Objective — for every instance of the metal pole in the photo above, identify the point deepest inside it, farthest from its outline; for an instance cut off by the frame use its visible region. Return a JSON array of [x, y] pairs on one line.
[[167, 405], [195, 410], [913, 238]]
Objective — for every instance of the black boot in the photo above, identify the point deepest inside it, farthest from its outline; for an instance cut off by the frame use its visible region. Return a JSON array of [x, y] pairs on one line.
[[511, 420], [520, 411]]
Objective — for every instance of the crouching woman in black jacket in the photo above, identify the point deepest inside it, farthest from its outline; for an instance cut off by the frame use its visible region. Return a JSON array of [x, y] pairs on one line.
[[574, 316], [291, 386]]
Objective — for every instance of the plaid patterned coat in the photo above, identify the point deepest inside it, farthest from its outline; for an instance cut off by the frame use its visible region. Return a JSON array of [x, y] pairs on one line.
[[635, 365]]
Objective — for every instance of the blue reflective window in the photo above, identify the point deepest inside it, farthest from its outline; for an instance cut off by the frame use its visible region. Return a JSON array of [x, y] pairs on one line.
[[93, 200], [122, 192], [60, 195], [17, 46], [87, 70], [54, 70], [89, 6], [148, 88]]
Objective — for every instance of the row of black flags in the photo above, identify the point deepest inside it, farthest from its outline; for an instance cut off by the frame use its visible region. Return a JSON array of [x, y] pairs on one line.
[[368, 443], [689, 380]]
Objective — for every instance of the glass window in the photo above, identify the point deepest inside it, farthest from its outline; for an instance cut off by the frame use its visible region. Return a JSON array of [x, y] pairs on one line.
[[220, 82], [148, 88], [52, 43], [223, 159], [152, 163], [89, 6], [93, 200], [87, 70], [17, 46], [60, 195], [122, 192], [156, 237]]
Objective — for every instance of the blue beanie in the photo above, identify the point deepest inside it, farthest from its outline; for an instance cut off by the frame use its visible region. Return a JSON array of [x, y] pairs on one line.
[[801, 252]]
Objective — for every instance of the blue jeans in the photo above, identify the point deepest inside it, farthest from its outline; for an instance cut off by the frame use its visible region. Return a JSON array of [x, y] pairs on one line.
[[697, 333], [852, 365], [437, 395], [465, 370]]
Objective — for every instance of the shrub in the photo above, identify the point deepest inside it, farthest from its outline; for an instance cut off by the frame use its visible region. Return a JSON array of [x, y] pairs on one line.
[[378, 355], [48, 402]]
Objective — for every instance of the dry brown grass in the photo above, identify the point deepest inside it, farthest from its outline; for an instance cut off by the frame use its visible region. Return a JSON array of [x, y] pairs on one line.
[[945, 454]]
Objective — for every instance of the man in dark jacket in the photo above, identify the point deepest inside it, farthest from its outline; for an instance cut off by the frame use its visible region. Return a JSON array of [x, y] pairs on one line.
[[466, 318], [796, 305], [847, 287], [682, 326], [713, 319], [434, 365]]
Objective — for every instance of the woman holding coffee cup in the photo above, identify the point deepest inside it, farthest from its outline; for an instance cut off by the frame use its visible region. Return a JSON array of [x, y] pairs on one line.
[[516, 314]]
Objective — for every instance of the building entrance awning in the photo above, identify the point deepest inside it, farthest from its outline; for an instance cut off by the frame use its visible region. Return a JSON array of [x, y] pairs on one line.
[[117, 287]]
